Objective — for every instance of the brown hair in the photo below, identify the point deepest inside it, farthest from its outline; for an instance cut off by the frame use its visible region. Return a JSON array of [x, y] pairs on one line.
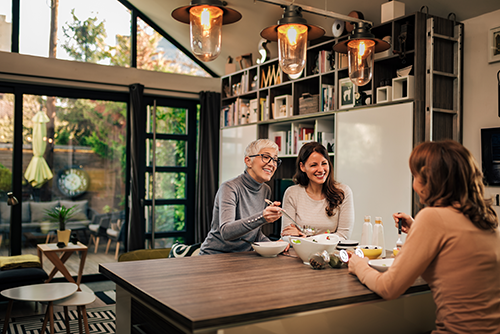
[[334, 195], [451, 177]]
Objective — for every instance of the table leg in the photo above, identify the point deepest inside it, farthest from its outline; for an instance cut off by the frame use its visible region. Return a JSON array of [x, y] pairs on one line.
[[59, 265], [45, 319], [51, 314], [40, 256], [7, 317], [80, 270], [83, 310], [66, 318]]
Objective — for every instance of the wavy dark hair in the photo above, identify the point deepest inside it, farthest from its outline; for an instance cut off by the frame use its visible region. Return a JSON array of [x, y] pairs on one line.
[[334, 195], [451, 177]]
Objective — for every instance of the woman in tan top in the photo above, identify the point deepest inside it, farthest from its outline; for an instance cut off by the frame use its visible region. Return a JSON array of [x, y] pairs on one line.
[[453, 243]]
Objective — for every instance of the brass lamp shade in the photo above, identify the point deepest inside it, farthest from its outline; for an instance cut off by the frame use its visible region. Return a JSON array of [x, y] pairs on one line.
[[229, 15]]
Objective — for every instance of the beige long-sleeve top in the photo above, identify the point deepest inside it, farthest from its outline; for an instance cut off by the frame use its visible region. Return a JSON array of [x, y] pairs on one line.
[[461, 264], [307, 211]]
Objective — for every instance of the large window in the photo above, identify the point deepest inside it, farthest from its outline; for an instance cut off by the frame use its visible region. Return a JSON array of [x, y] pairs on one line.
[[94, 31]]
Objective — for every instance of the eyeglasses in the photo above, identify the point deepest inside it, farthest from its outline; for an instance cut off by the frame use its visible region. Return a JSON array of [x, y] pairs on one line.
[[267, 159]]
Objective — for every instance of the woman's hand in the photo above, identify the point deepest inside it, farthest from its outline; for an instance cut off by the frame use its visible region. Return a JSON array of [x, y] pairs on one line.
[[356, 263], [293, 231], [272, 212], [406, 221], [287, 245]]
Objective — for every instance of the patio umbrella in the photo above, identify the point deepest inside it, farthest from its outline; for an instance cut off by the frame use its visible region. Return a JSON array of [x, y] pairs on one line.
[[38, 172]]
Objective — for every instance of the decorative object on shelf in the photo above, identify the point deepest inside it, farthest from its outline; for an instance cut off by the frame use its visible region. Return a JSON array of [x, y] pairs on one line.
[[346, 93], [282, 106], [73, 181], [384, 94], [253, 84], [230, 66], [405, 38], [403, 88], [264, 52], [403, 72], [308, 103], [361, 47], [273, 76], [360, 98], [391, 10], [494, 45], [338, 27], [387, 52], [61, 214], [245, 61], [206, 18], [292, 33], [253, 110]]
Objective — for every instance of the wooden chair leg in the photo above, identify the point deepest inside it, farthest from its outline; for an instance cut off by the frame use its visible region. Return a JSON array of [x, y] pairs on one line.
[[96, 244], [66, 318], [117, 250], [107, 246], [7, 317]]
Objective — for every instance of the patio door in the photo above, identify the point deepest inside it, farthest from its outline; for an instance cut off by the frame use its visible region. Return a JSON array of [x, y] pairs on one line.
[[170, 172]]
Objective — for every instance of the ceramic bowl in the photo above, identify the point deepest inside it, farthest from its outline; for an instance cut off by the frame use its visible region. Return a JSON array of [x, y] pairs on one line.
[[270, 248], [371, 251], [305, 247], [381, 264]]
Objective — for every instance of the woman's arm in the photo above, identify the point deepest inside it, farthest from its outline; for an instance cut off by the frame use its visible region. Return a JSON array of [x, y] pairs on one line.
[[289, 205]]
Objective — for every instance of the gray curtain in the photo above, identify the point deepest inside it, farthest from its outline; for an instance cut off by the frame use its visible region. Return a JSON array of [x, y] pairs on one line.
[[208, 162], [135, 232]]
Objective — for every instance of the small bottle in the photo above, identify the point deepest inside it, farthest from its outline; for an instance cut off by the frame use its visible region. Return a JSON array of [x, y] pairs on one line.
[[378, 235], [366, 234]]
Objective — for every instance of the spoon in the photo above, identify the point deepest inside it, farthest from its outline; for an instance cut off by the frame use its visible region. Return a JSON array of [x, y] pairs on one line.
[[399, 242], [301, 229], [249, 242]]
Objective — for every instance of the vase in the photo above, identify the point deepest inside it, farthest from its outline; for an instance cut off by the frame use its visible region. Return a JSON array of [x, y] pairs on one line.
[[63, 236]]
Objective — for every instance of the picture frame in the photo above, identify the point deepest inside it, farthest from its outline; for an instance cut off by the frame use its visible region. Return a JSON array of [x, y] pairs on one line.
[[490, 155], [346, 93], [494, 45], [282, 106]]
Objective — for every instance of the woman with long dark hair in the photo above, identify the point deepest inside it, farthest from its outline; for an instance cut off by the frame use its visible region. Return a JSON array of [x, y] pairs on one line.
[[317, 200], [453, 243]]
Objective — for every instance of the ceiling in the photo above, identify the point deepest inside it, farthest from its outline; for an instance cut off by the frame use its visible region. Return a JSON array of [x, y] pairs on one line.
[[243, 36]]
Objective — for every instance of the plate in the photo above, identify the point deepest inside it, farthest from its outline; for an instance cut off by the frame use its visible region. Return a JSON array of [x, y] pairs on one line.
[[381, 264]]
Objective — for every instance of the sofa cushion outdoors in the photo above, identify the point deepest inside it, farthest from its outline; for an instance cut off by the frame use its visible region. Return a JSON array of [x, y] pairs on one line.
[[39, 210], [80, 211], [181, 250], [5, 212], [19, 261]]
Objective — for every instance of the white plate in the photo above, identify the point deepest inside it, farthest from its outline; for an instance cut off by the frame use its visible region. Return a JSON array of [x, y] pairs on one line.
[[381, 264]]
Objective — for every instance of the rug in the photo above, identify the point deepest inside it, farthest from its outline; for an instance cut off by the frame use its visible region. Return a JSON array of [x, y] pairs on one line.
[[101, 320]]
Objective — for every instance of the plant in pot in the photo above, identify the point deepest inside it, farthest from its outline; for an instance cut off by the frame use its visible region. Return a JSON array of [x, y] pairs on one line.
[[61, 215]]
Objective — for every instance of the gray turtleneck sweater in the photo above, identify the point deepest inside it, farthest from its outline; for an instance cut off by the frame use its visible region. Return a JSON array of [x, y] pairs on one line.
[[238, 210]]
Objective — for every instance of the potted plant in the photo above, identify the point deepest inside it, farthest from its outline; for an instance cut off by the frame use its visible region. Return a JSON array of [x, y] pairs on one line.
[[61, 215]]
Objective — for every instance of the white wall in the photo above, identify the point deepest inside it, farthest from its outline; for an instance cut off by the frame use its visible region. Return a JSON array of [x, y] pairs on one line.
[[480, 84]]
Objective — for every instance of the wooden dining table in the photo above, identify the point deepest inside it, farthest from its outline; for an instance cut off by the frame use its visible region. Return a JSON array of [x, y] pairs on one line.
[[247, 293]]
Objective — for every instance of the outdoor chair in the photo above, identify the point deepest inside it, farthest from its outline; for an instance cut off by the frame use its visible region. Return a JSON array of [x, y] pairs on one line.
[[98, 229]]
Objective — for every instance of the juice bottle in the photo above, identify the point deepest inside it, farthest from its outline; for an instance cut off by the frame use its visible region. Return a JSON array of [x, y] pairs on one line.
[[378, 235]]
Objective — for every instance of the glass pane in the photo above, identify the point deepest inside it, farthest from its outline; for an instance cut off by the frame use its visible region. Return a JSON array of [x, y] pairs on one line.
[[169, 153], [94, 31], [168, 218], [167, 186], [155, 53], [168, 120], [6, 135], [76, 157], [5, 25], [165, 242]]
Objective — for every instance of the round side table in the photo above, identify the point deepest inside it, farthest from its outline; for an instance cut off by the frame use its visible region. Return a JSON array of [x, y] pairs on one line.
[[45, 292]]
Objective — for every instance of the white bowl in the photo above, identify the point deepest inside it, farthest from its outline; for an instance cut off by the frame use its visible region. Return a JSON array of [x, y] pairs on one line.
[[381, 264], [305, 247], [269, 248]]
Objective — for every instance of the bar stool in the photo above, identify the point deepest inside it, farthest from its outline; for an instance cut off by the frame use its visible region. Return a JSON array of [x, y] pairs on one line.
[[79, 299]]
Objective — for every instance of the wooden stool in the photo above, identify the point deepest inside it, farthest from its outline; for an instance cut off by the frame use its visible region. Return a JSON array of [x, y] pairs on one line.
[[78, 299]]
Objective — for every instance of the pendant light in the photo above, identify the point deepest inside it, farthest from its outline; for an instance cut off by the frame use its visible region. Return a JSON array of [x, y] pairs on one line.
[[292, 33], [206, 18], [361, 47]]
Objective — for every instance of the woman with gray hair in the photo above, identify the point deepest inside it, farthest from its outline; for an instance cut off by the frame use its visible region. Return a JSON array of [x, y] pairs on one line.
[[240, 208]]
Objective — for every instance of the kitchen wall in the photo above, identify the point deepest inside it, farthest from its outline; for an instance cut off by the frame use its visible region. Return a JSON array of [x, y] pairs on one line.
[[480, 89]]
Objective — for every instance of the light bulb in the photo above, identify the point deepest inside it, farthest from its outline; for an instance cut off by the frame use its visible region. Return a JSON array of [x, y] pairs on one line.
[[206, 31], [292, 47], [360, 53]]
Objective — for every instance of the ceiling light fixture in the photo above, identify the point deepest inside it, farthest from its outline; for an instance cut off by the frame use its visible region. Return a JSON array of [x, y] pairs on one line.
[[292, 33], [360, 46], [206, 18]]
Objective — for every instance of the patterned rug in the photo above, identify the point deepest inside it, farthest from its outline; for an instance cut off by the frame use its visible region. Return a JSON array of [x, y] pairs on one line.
[[101, 320]]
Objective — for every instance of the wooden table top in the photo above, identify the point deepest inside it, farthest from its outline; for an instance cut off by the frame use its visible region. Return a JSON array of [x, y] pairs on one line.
[[70, 247], [207, 291]]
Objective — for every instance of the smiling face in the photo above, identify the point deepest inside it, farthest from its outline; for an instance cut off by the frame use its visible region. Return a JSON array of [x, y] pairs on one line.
[[259, 170], [316, 168]]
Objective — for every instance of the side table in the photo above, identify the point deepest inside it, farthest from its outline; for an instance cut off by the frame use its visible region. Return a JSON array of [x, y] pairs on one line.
[[38, 293], [51, 250]]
